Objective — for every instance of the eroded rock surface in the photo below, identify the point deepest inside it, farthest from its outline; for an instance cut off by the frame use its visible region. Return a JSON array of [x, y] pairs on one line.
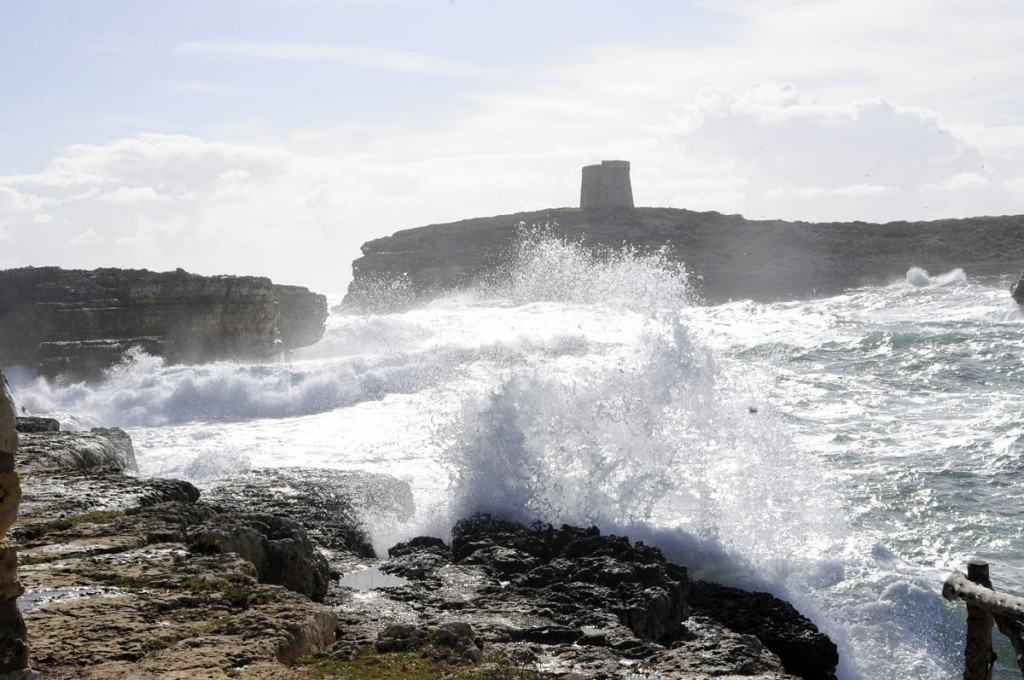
[[77, 323], [125, 578]]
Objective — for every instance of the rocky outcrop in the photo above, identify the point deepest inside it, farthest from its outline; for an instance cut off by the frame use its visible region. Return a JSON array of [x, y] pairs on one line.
[[803, 649], [727, 256], [13, 646], [302, 315], [134, 577], [1017, 290], [277, 546], [77, 323], [573, 602]]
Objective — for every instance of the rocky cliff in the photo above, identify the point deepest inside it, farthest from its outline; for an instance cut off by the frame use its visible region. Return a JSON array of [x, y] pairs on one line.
[[77, 323], [729, 257]]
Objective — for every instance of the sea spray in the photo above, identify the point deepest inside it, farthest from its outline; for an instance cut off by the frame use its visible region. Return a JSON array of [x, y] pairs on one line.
[[845, 453]]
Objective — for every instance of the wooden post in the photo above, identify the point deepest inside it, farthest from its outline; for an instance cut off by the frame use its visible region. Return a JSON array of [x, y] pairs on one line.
[[980, 659]]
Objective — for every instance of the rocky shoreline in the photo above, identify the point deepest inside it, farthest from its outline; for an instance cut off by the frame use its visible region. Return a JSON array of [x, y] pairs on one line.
[[270, 575]]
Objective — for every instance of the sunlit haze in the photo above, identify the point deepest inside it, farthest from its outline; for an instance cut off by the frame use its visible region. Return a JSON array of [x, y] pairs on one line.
[[273, 137]]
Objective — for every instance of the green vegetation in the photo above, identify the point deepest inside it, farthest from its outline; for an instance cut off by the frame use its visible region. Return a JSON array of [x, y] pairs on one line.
[[34, 531], [204, 545], [429, 662], [239, 596]]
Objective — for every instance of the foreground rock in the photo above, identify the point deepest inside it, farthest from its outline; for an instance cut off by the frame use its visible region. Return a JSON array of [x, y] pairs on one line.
[[134, 577], [729, 257], [571, 603], [76, 323]]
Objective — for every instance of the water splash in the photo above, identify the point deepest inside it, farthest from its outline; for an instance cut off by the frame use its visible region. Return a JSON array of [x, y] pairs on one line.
[[543, 267], [919, 278]]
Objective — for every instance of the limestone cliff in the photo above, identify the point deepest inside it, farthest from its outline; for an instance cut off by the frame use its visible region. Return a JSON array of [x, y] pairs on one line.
[[729, 257], [76, 322]]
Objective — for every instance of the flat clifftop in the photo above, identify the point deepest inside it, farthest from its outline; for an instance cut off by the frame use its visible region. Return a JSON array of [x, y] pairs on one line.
[[78, 322], [729, 256]]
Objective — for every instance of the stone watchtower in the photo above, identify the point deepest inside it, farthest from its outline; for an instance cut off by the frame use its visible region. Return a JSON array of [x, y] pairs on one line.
[[606, 186]]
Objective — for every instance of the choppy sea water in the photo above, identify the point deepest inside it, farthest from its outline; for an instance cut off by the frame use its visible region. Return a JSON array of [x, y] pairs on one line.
[[845, 453]]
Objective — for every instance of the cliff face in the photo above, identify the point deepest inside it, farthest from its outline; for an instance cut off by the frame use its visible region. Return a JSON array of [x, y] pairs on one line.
[[729, 256], [76, 322]]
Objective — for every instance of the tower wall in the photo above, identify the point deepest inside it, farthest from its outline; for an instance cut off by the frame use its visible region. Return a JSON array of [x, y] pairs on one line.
[[606, 186]]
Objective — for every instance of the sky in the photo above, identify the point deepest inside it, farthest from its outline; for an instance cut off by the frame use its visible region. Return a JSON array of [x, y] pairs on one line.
[[274, 137]]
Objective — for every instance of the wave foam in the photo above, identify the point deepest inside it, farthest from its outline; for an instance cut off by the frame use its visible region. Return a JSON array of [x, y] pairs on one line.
[[919, 278]]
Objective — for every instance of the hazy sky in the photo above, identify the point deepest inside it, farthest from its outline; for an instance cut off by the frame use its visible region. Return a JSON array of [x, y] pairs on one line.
[[273, 137]]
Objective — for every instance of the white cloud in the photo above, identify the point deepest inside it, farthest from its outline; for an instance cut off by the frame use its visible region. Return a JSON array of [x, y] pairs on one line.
[[801, 159], [86, 238], [962, 180], [384, 59], [131, 196]]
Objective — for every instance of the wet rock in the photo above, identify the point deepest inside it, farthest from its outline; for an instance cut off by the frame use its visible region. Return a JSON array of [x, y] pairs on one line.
[[711, 651], [803, 649], [581, 571], [418, 558]]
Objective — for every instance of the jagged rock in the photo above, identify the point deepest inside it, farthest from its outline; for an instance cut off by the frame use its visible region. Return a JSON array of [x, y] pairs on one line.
[[279, 548], [77, 323], [804, 650], [566, 615], [730, 257], [581, 571]]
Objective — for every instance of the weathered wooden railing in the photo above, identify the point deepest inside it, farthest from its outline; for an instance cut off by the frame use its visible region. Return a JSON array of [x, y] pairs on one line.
[[985, 606]]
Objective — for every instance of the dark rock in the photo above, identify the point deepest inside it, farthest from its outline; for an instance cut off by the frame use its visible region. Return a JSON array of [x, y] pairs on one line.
[[1017, 290], [302, 316], [580, 571], [420, 544], [802, 648], [278, 547], [37, 424], [419, 558], [731, 257], [77, 323], [401, 637], [327, 503]]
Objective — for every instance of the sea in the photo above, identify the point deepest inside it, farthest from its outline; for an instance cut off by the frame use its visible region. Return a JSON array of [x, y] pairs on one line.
[[846, 453]]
